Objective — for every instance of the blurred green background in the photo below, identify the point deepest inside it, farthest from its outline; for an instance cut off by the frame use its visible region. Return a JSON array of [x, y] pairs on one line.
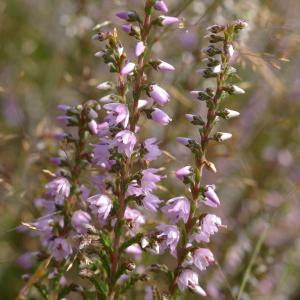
[[47, 57]]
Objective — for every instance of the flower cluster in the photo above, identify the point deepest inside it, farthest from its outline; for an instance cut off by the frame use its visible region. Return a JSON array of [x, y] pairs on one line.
[[191, 227], [97, 221]]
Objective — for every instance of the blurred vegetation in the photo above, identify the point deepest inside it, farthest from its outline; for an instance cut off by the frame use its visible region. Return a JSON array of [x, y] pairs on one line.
[[46, 58]]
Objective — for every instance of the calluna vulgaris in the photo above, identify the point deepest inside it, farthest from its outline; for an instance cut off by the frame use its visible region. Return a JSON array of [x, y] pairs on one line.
[[101, 229]]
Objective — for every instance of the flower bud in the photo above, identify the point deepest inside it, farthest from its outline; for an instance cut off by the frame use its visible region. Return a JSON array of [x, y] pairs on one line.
[[160, 65], [139, 49], [222, 136], [160, 117], [228, 114], [234, 90], [144, 242], [128, 68], [194, 119], [161, 6], [166, 20], [129, 16], [230, 50], [183, 172], [183, 140], [93, 126], [201, 95], [159, 95], [105, 86]]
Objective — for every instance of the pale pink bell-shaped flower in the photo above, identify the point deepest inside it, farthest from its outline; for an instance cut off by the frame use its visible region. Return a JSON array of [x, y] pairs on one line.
[[160, 117], [177, 208], [139, 48], [128, 68], [120, 113], [169, 236], [161, 6], [134, 220], [202, 258], [60, 249], [167, 20], [209, 225], [93, 126], [151, 202], [101, 206], [158, 94], [80, 220], [59, 188], [211, 198], [149, 179], [164, 66], [152, 149], [125, 140], [183, 172], [189, 279]]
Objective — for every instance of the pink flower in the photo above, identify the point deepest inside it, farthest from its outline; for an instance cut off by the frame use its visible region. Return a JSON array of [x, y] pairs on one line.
[[161, 6], [134, 220], [183, 140], [152, 149], [163, 66], [149, 180], [209, 225], [166, 20], [189, 279], [60, 248], [169, 237], [159, 95], [80, 219], [102, 154], [101, 206], [125, 141], [211, 198], [202, 258], [177, 208], [160, 117], [151, 202], [59, 188], [119, 113], [27, 260], [183, 172], [93, 126], [127, 28], [139, 49], [128, 68]]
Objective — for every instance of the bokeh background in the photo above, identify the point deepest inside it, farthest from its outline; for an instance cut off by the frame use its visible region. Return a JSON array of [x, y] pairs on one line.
[[47, 57]]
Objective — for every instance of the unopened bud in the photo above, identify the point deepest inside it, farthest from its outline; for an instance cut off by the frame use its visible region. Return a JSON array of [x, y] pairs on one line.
[[222, 136], [105, 86], [211, 166]]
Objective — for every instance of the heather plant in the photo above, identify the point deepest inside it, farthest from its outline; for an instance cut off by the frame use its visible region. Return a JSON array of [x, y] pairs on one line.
[[99, 205]]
